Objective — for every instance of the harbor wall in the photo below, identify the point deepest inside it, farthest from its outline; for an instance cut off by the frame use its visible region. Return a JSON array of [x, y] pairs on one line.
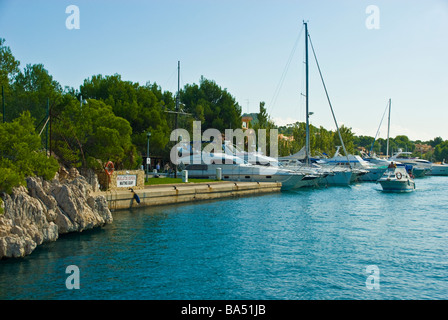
[[180, 193]]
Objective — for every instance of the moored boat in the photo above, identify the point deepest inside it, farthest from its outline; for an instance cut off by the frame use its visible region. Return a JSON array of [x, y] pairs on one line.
[[421, 166], [397, 179], [204, 166], [362, 170]]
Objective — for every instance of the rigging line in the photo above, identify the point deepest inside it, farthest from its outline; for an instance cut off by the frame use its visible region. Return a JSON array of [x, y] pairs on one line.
[[41, 121], [48, 118], [285, 71], [376, 135], [329, 102], [169, 82]]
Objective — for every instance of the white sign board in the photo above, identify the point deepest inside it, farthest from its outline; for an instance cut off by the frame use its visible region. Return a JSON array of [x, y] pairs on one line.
[[148, 160], [126, 180]]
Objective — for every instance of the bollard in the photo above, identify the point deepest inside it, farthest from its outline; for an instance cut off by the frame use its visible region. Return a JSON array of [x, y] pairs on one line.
[[184, 175], [218, 174]]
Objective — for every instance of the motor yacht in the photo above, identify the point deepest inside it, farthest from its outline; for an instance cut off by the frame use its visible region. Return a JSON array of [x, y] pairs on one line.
[[204, 166], [397, 179]]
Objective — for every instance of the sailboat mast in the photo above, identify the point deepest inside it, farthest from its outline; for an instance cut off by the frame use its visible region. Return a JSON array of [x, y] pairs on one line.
[[178, 92], [177, 107], [307, 139], [388, 129]]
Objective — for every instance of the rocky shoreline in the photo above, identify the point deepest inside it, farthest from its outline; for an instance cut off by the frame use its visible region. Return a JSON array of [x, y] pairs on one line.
[[44, 210]]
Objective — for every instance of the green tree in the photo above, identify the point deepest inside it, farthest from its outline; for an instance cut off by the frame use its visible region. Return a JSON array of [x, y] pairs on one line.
[[213, 106], [441, 151], [89, 135], [364, 142], [9, 66], [347, 137], [21, 154], [31, 90], [142, 106], [403, 142], [433, 143]]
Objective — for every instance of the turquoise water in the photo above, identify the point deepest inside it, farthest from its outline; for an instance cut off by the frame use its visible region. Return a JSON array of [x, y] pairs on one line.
[[309, 244]]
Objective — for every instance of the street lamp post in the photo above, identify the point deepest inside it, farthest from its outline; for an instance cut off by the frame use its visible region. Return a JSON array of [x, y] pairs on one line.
[[148, 134]]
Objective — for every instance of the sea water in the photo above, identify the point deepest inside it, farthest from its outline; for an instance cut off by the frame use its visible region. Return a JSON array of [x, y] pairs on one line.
[[353, 242]]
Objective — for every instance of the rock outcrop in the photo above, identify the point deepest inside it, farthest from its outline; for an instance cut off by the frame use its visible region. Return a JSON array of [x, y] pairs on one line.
[[46, 209]]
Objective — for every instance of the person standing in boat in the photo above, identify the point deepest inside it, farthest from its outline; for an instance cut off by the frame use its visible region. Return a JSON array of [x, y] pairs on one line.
[[392, 165]]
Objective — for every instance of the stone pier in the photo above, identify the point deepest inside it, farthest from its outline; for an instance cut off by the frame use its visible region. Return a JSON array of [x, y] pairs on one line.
[[187, 192]]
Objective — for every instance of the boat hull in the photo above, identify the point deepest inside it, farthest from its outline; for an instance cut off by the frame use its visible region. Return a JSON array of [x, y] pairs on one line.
[[373, 174], [438, 170], [289, 180], [420, 172], [338, 178], [397, 185]]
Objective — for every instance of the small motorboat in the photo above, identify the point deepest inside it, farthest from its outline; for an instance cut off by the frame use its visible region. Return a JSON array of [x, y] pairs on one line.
[[397, 179]]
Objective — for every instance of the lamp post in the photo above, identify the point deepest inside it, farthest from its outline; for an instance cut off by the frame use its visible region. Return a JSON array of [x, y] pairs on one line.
[[148, 134]]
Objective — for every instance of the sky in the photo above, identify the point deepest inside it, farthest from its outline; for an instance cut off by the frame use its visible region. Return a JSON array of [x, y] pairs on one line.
[[255, 50]]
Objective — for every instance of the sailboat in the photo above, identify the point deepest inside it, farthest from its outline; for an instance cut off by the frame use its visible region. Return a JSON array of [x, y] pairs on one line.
[[363, 170], [331, 175], [418, 167], [310, 177]]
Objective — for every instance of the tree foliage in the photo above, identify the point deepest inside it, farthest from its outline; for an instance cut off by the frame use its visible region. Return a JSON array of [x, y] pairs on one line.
[[142, 106], [322, 141], [9, 66], [90, 134], [441, 151], [213, 106], [21, 154], [32, 89]]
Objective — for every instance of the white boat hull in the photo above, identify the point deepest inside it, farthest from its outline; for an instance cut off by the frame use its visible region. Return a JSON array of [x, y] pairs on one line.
[[397, 186], [289, 180], [338, 178], [373, 175], [326, 176], [438, 170], [397, 180]]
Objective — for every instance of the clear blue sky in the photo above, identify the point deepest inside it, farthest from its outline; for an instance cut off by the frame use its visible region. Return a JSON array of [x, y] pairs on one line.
[[244, 45]]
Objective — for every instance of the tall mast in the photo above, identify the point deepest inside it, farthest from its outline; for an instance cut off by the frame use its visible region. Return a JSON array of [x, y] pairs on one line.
[[388, 129], [177, 106], [307, 141], [178, 92]]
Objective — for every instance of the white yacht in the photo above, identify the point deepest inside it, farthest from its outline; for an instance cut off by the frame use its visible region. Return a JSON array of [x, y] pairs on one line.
[[439, 169], [429, 168], [205, 165], [396, 179], [363, 170], [313, 175]]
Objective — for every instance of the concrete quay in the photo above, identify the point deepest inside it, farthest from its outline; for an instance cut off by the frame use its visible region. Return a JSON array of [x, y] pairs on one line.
[[187, 192]]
